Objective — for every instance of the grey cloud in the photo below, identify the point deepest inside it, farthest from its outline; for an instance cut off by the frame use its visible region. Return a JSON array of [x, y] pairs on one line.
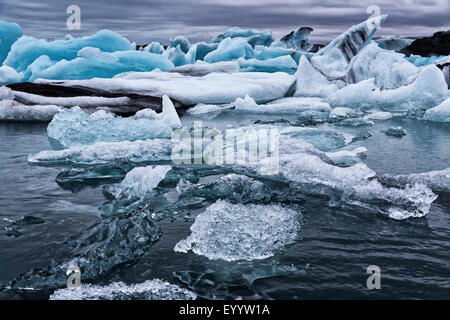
[[157, 20]]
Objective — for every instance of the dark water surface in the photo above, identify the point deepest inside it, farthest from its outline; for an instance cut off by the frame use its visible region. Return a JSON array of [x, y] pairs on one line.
[[329, 261]]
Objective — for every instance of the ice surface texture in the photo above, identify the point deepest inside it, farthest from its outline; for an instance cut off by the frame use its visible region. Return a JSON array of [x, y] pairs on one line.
[[241, 232], [149, 290], [9, 33], [74, 127]]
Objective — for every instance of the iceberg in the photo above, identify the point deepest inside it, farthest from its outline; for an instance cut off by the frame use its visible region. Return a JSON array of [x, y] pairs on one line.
[[297, 39], [253, 36], [355, 185], [427, 91], [312, 83], [154, 47], [175, 55], [27, 49], [181, 42], [149, 290], [234, 232], [201, 108], [8, 75], [73, 127], [441, 113], [265, 53], [334, 59], [230, 49], [389, 69], [280, 64], [213, 88], [108, 152], [379, 115], [93, 63], [9, 33], [232, 187], [203, 48]]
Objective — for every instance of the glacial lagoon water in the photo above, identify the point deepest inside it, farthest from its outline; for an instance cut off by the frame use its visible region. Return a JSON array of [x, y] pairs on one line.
[[327, 261]]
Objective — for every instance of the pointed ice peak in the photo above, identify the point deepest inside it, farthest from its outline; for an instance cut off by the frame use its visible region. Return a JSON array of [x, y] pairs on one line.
[[334, 59], [355, 38], [169, 114]]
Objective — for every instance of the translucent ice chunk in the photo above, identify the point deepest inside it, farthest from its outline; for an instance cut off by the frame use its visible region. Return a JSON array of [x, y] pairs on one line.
[[241, 232], [230, 49], [74, 127]]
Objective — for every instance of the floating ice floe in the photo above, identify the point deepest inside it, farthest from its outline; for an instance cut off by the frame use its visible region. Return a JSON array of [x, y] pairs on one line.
[[427, 91], [241, 232], [441, 113], [347, 158], [232, 187], [93, 63], [27, 49], [11, 110], [379, 115], [9, 33], [438, 181], [321, 138], [106, 152], [214, 88], [106, 246], [341, 112], [355, 185], [395, 132], [138, 182], [292, 106], [149, 290], [73, 127]]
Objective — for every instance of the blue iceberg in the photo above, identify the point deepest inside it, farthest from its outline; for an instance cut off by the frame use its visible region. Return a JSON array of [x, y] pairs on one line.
[[9, 33], [27, 49]]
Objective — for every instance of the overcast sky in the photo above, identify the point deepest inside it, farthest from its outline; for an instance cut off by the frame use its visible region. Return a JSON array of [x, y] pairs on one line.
[[144, 21]]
